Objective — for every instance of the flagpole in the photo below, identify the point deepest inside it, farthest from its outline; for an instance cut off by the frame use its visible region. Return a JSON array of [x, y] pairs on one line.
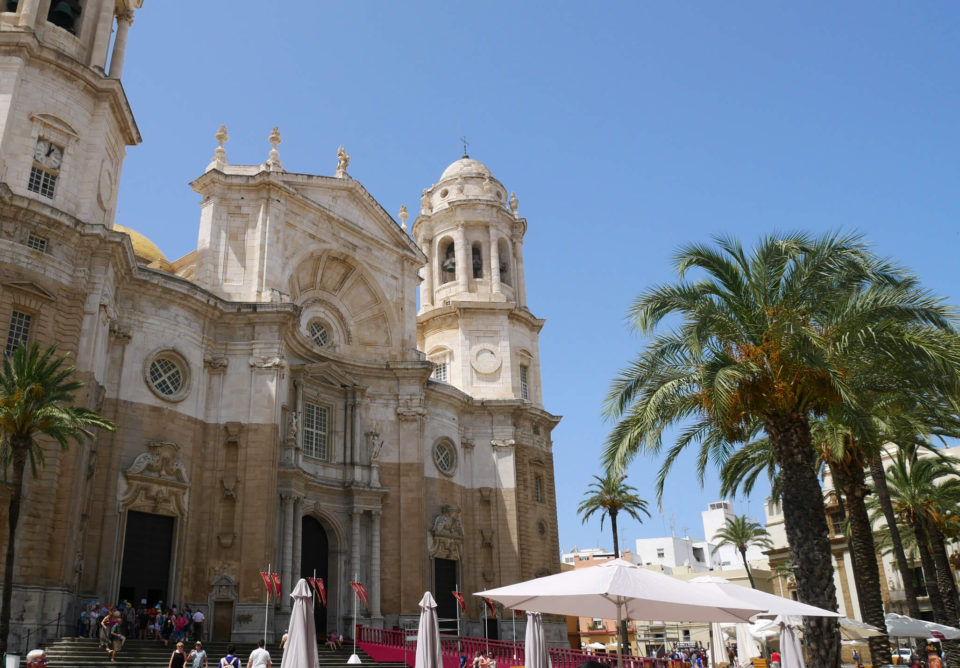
[[266, 608], [456, 588], [354, 659]]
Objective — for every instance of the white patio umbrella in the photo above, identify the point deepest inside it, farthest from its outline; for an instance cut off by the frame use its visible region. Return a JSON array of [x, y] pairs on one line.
[[853, 629], [429, 654], [301, 648], [747, 648], [617, 589], [772, 605], [535, 645], [718, 648], [596, 645], [791, 653], [902, 626]]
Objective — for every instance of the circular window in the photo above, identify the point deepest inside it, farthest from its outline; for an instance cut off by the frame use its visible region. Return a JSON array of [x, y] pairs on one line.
[[445, 457], [167, 375], [319, 334], [444, 192]]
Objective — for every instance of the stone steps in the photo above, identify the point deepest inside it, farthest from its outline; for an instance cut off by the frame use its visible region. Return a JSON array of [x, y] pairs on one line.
[[85, 653]]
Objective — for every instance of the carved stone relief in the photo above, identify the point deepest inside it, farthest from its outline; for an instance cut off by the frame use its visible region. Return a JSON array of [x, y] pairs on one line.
[[446, 534], [156, 482]]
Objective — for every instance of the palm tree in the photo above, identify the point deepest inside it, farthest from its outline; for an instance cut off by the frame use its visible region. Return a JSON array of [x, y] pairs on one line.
[[36, 399], [742, 532], [764, 343], [610, 495]]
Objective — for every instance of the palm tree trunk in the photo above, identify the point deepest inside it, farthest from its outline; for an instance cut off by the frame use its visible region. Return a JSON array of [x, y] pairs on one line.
[[805, 521], [867, 572], [616, 540], [945, 581], [624, 638], [929, 571], [16, 496], [743, 555], [906, 573]]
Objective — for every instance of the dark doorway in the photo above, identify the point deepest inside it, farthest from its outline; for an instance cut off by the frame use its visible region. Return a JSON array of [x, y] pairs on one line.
[[222, 620], [314, 561], [444, 584], [147, 549]]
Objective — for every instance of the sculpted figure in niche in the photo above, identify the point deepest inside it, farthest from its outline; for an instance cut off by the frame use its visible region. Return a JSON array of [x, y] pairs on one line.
[[447, 534]]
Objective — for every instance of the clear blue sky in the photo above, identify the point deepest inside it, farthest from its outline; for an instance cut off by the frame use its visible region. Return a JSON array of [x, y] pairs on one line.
[[626, 129]]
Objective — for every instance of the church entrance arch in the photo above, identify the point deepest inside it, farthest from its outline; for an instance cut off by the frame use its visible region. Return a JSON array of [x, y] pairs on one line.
[[315, 562], [147, 555]]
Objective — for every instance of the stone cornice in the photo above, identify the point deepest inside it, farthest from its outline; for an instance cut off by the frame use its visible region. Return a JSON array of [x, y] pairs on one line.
[[458, 308], [20, 41]]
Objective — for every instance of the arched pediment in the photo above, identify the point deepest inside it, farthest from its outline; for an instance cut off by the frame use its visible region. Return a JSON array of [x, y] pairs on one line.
[[156, 482]]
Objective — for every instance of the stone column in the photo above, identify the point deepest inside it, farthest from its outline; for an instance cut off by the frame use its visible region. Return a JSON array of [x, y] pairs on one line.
[[297, 540], [355, 515], [463, 259], [286, 571], [375, 563], [124, 21], [494, 263], [521, 286], [426, 288], [101, 40], [28, 13]]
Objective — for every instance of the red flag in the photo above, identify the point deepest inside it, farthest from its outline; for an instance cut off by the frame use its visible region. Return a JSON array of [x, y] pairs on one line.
[[276, 584], [457, 595], [491, 607], [321, 590], [360, 592], [268, 583]]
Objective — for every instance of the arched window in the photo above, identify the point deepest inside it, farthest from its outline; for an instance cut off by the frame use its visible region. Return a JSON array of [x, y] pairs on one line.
[[477, 261], [65, 14], [506, 261], [448, 261]]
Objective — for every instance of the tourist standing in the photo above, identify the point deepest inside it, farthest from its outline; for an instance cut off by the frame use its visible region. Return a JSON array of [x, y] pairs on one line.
[[775, 659], [230, 660], [259, 658], [198, 620], [178, 658], [198, 656]]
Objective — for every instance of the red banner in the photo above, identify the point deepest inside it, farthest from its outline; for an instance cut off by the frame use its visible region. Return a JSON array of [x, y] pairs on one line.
[[268, 582], [360, 592], [491, 607], [457, 595], [317, 584], [276, 584]]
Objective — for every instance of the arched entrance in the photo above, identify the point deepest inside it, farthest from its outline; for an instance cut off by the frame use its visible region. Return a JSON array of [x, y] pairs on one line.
[[315, 561]]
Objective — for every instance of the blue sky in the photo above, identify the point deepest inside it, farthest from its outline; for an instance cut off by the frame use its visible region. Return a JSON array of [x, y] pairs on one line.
[[626, 129]]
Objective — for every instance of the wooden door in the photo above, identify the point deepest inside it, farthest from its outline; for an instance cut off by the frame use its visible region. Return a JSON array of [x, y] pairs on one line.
[[222, 620]]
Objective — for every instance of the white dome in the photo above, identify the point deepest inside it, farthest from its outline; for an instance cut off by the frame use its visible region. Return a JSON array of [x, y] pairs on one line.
[[465, 167]]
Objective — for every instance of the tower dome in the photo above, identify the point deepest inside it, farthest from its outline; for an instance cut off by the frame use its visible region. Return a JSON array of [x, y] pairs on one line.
[[465, 180], [143, 249]]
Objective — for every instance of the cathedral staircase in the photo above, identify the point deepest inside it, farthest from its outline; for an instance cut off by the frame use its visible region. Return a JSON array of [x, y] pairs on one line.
[[84, 653]]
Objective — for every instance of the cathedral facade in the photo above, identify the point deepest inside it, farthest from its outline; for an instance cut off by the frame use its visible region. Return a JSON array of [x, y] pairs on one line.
[[281, 399]]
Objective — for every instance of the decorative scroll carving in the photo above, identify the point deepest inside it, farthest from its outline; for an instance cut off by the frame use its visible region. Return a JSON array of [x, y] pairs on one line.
[[233, 431], [121, 332], [486, 537], [156, 482], [267, 362], [215, 362], [446, 534]]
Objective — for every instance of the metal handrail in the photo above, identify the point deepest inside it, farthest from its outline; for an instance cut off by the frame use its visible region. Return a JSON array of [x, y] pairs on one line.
[[39, 629]]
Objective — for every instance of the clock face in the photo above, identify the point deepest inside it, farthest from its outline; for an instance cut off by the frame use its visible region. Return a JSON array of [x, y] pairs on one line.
[[47, 154]]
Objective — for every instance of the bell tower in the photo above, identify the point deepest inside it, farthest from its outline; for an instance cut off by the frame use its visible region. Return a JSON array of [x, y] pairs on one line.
[[474, 324], [65, 121]]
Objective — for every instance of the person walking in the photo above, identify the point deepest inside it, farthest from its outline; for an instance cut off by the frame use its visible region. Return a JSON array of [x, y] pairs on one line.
[[198, 656], [230, 660], [259, 658], [178, 658], [198, 619], [115, 638]]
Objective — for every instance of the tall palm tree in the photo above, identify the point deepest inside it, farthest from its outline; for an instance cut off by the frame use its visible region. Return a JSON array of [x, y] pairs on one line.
[[922, 489], [766, 341], [741, 532], [36, 400], [610, 496]]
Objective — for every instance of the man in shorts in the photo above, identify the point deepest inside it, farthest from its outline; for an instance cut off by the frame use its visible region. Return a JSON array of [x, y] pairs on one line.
[[198, 656], [259, 658]]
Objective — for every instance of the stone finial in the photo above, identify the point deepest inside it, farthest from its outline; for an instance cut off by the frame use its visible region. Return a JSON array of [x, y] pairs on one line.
[[343, 161], [219, 159], [273, 164], [403, 216], [514, 205]]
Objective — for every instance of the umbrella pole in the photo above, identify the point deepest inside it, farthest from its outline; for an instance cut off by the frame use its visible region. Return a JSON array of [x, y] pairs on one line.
[[514, 617], [619, 633]]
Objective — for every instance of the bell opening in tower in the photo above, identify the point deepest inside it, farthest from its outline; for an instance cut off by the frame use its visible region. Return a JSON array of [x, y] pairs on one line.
[[448, 266], [477, 261], [65, 14]]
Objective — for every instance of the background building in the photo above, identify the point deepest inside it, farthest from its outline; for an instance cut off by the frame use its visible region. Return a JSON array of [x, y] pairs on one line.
[[279, 398]]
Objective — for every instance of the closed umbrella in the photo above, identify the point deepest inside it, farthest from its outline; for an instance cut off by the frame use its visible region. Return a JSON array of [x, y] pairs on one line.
[[747, 649], [535, 645], [791, 654], [718, 648], [429, 654], [301, 648]]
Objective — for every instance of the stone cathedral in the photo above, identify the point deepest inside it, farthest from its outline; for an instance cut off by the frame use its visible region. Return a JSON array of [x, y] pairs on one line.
[[280, 397]]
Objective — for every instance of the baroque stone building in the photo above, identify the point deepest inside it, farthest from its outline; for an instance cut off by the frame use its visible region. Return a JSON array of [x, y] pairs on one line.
[[280, 399]]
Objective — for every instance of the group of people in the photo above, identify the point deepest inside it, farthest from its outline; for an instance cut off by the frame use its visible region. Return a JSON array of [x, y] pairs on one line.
[[483, 660], [113, 625], [197, 658]]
